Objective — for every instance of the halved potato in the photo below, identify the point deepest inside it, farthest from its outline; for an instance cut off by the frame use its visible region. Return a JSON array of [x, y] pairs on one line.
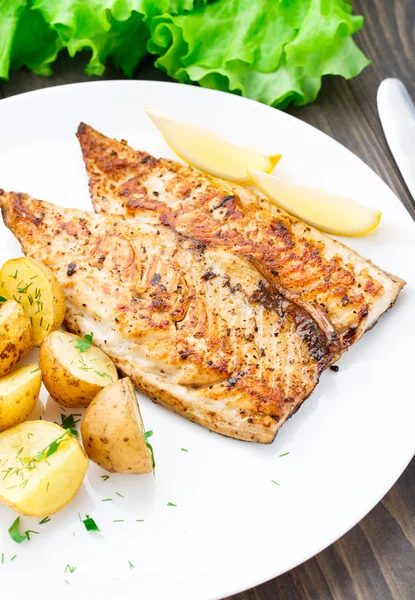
[[43, 468], [16, 335], [113, 431], [36, 289], [73, 378], [19, 392]]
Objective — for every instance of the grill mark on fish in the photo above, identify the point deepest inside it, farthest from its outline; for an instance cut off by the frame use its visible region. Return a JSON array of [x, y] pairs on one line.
[[307, 328]]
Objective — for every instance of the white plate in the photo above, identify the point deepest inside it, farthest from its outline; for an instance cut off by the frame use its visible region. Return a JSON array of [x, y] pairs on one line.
[[232, 527]]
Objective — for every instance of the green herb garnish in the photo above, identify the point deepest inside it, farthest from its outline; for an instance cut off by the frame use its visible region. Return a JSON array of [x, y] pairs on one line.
[[52, 447], [3, 299], [22, 289], [131, 565], [184, 450], [7, 471], [276, 482], [103, 374], [120, 495], [105, 477], [171, 504], [84, 366], [43, 521], [68, 422], [90, 524], [70, 569], [84, 344], [29, 531], [146, 435], [15, 533], [13, 557], [285, 454]]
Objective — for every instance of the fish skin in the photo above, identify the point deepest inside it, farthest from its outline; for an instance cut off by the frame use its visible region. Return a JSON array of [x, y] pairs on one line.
[[349, 292], [198, 329]]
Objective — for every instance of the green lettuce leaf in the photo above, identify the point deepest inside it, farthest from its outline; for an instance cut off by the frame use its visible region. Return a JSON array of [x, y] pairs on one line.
[[108, 28], [10, 13], [35, 44], [275, 52], [32, 32]]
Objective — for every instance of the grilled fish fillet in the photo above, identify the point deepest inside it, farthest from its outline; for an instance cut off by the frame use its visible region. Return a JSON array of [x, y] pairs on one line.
[[348, 289], [198, 329]]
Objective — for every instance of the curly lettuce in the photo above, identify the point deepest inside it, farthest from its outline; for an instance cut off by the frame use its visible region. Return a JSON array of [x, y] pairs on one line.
[[275, 52], [109, 29], [32, 32]]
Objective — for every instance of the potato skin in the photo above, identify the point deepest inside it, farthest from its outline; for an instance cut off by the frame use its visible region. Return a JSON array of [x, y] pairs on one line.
[[111, 434], [16, 336], [65, 388], [16, 405]]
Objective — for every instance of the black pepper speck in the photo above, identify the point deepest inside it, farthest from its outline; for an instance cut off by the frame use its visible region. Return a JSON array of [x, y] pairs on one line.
[[71, 269]]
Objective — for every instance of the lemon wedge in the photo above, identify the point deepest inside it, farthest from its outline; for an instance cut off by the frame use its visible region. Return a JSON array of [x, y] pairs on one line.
[[210, 153], [328, 212]]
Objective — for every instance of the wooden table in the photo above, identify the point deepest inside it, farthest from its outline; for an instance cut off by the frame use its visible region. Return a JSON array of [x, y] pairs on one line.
[[376, 559]]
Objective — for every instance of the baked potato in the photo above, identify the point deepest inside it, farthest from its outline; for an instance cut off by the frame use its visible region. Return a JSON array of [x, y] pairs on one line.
[[113, 432], [36, 289], [16, 335], [43, 469], [74, 376], [19, 392]]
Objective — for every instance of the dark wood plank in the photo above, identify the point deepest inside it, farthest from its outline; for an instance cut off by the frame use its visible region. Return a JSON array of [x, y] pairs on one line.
[[71, 70], [376, 559]]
